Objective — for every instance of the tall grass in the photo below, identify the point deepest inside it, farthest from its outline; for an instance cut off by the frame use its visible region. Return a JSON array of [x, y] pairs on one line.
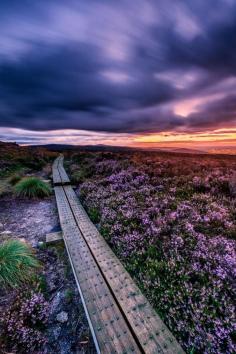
[[17, 263], [32, 187]]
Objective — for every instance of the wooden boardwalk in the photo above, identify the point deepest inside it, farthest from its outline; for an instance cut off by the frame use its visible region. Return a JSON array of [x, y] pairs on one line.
[[120, 317]]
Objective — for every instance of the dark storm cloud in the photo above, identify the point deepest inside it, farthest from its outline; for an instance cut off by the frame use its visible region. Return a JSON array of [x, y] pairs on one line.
[[116, 66], [219, 114]]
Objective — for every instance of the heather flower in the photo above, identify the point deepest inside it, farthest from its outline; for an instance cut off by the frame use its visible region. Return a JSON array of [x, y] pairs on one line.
[[172, 223], [23, 321]]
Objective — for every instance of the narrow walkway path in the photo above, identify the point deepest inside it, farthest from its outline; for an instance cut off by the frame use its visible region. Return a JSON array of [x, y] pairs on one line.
[[120, 317]]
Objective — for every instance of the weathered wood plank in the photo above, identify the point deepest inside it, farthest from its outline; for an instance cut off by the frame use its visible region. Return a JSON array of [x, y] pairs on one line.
[[53, 237], [110, 330], [55, 172], [60, 176], [114, 293], [64, 178]]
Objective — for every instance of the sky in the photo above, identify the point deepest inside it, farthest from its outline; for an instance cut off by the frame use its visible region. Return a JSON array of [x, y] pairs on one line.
[[138, 73]]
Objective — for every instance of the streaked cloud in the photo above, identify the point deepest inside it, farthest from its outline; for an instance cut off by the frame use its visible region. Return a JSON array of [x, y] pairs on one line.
[[117, 67]]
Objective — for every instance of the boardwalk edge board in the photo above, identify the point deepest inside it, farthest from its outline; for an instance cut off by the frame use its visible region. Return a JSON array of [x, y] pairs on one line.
[[120, 317], [111, 331], [54, 237]]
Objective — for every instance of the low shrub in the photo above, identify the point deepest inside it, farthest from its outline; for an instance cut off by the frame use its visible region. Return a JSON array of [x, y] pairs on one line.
[[13, 179], [94, 215], [5, 188], [85, 171], [32, 162], [17, 263], [78, 177], [23, 322], [69, 295], [32, 187]]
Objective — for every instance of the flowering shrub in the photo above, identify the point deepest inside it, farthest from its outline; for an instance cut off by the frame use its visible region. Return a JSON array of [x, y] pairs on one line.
[[23, 321], [171, 219]]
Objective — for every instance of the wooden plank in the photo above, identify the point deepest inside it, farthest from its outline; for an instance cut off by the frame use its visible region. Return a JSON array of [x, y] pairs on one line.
[[145, 327], [54, 237], [55, 172], [60, 176], [152, 334], [64, 178], [109, 328]]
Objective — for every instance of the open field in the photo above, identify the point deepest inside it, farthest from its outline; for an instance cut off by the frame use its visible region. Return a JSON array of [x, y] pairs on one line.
[[170, 218]]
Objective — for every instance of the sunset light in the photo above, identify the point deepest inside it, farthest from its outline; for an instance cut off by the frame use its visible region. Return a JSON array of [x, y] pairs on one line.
[[117, 176], [212, 136], [116, 73]]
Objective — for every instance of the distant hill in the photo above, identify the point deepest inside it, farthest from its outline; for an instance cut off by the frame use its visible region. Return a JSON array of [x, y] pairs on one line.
[[13, 155], [101, 147], [13, 149], [228, 150], [180, 150], [65, 147]]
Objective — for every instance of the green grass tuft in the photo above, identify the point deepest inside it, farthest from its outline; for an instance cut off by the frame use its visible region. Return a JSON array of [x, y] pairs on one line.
[[17, 263], [94, 215], [32, 187]]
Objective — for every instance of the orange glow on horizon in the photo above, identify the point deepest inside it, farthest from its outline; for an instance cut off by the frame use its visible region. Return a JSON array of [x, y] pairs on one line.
[[201, 137], [218, 137], [223, 138]]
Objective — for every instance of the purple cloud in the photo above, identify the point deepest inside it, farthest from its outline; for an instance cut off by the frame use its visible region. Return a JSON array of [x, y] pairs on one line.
[[117, 67]]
